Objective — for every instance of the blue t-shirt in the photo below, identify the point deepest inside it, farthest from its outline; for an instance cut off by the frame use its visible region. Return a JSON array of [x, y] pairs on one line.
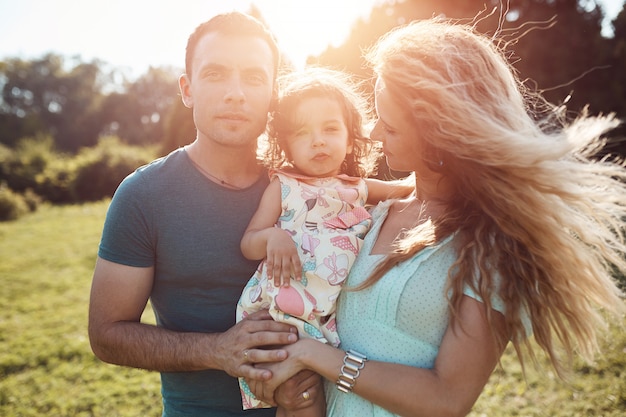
[[169, 215]]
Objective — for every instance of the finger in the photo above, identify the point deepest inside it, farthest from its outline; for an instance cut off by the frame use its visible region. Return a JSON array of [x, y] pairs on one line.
[[267, 355], [287, 272], [296, 269], [291, 393], [276, 269], [302, 381], [277, 280], [262, 324], [257, 388], [260, 315], [256, 374]]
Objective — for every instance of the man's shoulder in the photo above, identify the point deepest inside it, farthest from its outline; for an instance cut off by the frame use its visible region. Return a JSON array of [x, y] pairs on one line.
[[157, 173], [170, 161]]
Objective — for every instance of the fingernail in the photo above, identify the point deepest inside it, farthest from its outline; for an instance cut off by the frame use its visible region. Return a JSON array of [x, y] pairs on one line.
[[281, 354], [293, 338]]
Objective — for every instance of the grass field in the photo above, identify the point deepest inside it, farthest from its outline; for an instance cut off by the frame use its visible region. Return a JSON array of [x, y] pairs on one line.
[[47, 368]]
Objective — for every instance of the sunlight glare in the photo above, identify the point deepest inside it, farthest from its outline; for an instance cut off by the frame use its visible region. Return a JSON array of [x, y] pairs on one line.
[[308, 28]]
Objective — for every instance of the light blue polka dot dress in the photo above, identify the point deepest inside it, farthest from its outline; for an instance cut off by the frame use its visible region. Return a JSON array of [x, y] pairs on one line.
[[400, 319]]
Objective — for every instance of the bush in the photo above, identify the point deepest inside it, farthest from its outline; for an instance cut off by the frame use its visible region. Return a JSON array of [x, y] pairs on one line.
[[12, 204], [101, 169], [55, 183], [21, 167], [32, 200]]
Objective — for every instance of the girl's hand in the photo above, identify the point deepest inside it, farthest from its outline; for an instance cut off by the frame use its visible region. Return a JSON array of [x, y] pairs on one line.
[[282, 260]]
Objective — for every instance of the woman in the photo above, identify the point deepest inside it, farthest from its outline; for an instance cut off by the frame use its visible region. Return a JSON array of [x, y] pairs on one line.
[[511, 232]]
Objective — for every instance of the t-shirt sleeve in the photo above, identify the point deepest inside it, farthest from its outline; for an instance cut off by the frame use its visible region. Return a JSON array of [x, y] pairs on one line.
[[127, 234]]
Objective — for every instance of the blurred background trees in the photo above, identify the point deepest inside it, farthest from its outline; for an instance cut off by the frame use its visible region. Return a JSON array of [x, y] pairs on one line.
[[60, 115]]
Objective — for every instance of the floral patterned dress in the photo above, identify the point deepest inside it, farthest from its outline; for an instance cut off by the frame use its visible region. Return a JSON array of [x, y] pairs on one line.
[[327, 221]]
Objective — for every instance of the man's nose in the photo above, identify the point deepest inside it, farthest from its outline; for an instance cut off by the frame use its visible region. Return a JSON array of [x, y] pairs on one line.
[[235, 92]]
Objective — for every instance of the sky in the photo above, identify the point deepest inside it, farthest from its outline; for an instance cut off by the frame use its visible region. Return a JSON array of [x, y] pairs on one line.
[[134, 34]]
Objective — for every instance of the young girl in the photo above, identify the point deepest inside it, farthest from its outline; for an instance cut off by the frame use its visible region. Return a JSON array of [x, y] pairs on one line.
[[311, 220]]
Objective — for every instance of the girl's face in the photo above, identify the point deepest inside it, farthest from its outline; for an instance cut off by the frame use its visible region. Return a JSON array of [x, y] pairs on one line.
[[395, 130], [319, 143]]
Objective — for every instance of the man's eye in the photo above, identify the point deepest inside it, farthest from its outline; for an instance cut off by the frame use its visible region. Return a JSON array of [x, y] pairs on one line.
[[212, 75], [256, 79]]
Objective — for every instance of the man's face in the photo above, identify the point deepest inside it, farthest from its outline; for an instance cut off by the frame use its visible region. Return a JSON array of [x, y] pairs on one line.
[[230, 88]]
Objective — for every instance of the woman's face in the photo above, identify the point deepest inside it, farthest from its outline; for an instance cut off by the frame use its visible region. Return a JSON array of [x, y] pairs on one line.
[[396, 131]]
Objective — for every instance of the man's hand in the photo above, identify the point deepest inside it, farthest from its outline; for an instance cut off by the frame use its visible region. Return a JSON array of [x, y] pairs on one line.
[[300, 391], [251, 341]]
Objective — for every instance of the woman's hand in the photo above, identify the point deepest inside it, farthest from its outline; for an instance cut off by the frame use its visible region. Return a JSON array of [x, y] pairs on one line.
[[284, 370]]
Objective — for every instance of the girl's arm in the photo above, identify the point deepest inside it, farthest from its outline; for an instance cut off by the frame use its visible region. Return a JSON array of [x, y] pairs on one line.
[[467, 357], [262, 240], [378, 190]]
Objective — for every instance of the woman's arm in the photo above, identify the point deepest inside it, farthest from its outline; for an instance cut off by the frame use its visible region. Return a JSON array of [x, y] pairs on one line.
[[262, 240], [467, 357]]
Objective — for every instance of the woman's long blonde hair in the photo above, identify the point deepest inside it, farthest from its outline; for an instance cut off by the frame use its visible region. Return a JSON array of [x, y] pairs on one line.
[[531, 203]]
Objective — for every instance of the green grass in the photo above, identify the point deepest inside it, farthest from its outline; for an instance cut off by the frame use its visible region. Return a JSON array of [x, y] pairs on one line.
[[46, 364], [47, 367]]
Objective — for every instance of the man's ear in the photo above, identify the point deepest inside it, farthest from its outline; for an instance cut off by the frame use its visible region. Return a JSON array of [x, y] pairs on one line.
[[184, 84]]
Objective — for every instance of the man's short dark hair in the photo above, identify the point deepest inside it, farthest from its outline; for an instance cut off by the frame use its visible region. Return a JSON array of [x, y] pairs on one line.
[[232, 24]]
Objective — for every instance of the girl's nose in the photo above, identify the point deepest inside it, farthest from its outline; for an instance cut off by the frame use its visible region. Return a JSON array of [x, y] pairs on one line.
[[318, 139]]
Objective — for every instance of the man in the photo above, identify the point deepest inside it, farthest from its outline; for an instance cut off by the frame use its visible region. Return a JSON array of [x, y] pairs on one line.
[[173, 230]]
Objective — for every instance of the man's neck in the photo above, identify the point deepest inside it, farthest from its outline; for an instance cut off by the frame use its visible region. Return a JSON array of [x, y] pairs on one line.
[[232, 167]]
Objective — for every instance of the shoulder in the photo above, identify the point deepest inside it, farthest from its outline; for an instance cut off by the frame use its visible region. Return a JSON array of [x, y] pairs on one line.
[[157, 174]]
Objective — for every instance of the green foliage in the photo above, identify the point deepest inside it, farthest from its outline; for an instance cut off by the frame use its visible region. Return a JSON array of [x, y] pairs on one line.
[[47, 367], [94, 173], [100, 169], [21, 167], [12, 204], [55, 183]]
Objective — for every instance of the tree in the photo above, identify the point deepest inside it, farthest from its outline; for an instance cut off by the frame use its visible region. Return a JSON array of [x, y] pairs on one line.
[[42, 96], [556, 46], [137, 115]]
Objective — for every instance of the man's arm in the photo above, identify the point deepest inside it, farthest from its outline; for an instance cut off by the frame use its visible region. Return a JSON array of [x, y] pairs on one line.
[[119, 295]]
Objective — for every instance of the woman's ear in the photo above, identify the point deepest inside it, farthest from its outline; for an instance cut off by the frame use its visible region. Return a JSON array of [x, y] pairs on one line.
[[184, 84]]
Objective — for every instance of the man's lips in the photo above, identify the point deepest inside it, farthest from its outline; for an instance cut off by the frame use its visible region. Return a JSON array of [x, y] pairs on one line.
[[236, 117]]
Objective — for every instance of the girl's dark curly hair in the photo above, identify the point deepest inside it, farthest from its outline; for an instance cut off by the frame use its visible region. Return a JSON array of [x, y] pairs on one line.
[[297, 86]]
